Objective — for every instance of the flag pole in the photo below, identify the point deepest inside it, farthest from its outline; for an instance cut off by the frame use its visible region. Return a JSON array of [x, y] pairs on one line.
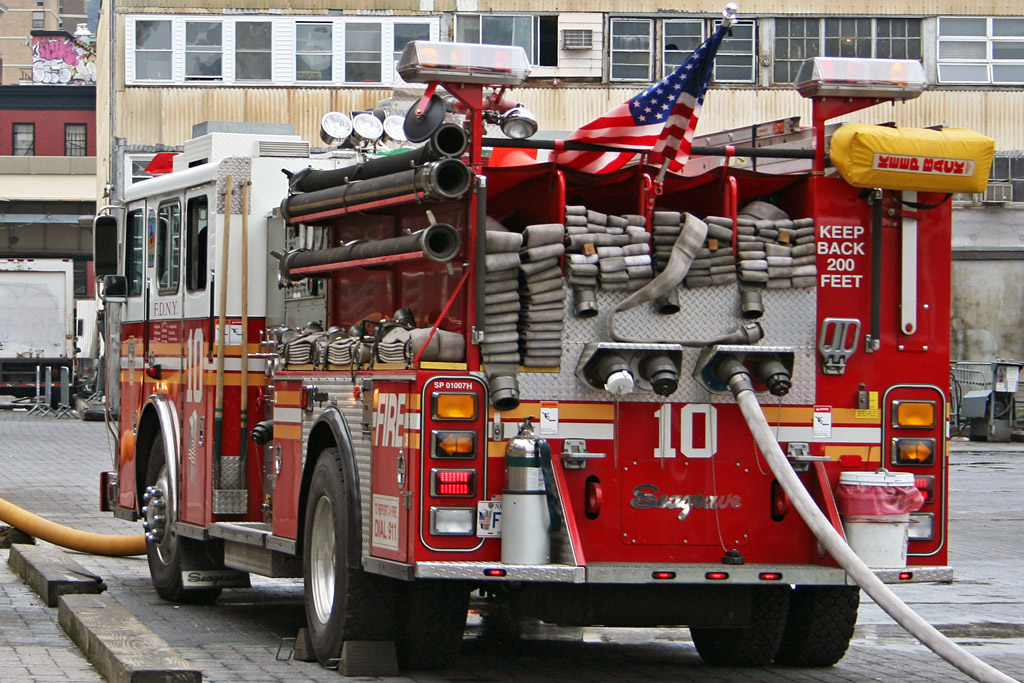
[[728, 17]]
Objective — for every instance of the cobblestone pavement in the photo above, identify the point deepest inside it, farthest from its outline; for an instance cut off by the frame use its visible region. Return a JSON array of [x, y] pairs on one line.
[[51, 467]]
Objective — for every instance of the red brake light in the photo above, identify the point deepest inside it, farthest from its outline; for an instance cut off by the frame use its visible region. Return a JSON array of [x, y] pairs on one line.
[[452, 483], [906, 576], [716, 576], [925, 483], [770, 576], [663, 575]]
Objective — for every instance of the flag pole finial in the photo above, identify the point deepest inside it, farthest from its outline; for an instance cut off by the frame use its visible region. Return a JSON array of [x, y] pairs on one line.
[[729, 14]]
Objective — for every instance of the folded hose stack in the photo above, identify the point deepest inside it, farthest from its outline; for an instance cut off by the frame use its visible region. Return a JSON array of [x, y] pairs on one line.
[[501, 295], [611, 253], [542, 314]]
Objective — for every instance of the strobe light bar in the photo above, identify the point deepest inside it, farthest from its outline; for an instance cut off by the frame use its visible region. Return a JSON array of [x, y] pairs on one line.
[[426, 61], [901, 79]]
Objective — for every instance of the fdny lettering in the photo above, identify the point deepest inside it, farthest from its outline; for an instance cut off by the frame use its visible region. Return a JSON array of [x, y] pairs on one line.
[[389, 420], [841, 245], [929, 165], [163, 309], [645, 497]]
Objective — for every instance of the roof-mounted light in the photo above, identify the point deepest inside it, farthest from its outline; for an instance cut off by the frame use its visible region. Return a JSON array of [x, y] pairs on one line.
[[901, 79], [426, 61]]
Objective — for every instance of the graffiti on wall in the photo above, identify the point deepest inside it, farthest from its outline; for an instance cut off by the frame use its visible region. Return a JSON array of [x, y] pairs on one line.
[[62, 60]]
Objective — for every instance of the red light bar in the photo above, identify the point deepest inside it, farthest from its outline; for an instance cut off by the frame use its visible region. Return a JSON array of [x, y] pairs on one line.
[[494, 572], [906, 576], [716, 576], [663, 575], [770, 576]]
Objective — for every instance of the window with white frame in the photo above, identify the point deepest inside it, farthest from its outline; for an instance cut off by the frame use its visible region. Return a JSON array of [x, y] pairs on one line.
[[799, 39], [279, 50], [536, 34], [981, 50], [203, 50], [253, 50], [736, 61], [631, 43], [363, 52], [314, 51], [152, 50]]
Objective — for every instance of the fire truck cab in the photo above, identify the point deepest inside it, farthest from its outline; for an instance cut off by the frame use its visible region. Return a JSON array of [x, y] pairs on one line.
[[409, 377]]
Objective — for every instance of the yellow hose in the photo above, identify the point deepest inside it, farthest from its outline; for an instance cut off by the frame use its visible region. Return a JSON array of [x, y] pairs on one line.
[[72, 539]]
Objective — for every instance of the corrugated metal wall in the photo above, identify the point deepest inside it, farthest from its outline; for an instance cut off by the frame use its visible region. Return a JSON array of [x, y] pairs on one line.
[[151, 116]]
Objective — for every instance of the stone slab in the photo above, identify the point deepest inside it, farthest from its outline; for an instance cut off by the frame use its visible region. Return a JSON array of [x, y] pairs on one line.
[[51, 572], [120, 646]]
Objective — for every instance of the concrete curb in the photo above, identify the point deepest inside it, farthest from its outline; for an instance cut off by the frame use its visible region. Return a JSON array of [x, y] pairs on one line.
[[120, 646], [51, 572]]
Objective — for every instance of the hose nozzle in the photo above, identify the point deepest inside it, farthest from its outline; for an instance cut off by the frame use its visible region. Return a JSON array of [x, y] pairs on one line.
[[732, 372]]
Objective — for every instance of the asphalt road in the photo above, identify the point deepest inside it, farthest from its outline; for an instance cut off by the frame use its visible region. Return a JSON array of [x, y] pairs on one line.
[[52, 468]]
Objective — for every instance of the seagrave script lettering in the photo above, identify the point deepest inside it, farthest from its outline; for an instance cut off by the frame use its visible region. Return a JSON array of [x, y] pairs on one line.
[[645, 497]]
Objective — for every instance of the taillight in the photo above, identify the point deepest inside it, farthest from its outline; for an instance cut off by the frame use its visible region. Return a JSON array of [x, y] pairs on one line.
[[452, 483], [447, 406], [922, 526], [663, 576], [925, 483], [716, 576], [913, 451], [913, 414], [454, 445], [452, 521], [770, 576]]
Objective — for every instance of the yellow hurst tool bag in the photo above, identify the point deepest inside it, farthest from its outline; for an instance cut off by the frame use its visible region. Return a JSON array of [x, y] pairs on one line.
[[950, 160]]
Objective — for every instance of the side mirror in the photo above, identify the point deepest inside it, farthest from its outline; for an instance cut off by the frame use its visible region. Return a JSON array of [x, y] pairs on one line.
[[104, 245], [114, 289]]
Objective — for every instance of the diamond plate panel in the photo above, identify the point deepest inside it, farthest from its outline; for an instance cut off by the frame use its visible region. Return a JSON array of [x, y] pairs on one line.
[[789, 321], [231, 472], [240, 168], [230, 501]]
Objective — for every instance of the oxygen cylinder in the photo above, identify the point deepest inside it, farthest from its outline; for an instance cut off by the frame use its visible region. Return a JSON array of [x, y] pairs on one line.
[[525, 518]]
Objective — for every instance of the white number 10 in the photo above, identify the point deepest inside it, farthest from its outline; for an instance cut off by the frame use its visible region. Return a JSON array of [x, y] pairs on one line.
[[698, 431]]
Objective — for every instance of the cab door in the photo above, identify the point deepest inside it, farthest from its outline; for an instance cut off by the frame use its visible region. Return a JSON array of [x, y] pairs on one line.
[[133, 341], [197, 325]]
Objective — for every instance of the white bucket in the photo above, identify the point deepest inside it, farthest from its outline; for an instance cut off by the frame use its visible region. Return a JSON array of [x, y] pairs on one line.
[[879, 540]]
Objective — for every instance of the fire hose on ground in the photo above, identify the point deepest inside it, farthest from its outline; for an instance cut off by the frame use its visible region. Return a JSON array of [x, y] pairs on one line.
[[740, 385], [72, 539]]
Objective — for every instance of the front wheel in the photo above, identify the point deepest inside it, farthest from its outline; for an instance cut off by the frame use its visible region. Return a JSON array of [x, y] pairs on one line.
[[342, 601], [167, 552], [751, 645]]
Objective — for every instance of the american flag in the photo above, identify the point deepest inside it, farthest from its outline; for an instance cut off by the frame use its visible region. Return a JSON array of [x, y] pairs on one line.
[[661, 119]]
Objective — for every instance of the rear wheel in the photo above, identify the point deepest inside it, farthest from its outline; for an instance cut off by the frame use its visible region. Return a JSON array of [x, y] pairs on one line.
[[820, 625], [342, 601], [751, 645], [167, 552], [431, 623]]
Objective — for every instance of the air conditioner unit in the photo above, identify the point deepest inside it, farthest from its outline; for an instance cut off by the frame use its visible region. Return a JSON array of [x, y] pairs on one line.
[[577, 39], [998, 193]]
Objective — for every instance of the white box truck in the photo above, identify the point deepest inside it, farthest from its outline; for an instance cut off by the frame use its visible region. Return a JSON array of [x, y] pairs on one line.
[[37, 321]]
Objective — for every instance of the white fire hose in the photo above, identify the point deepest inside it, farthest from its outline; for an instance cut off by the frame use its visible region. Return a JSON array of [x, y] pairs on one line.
[[739, 384]]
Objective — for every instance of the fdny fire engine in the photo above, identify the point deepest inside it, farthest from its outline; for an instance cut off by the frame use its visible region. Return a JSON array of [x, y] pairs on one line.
[[414, 376]]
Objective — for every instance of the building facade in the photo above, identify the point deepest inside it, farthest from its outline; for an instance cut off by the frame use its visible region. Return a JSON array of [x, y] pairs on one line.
[[168, 68], [48, 173]]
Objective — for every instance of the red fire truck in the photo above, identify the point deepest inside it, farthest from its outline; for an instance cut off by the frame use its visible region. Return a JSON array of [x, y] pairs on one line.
[[411, 377]]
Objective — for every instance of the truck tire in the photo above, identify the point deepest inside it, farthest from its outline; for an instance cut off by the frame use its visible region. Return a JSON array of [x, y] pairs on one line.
[[342, 601], [820, 625], [170, 553], [431, 624], [751, 645]]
